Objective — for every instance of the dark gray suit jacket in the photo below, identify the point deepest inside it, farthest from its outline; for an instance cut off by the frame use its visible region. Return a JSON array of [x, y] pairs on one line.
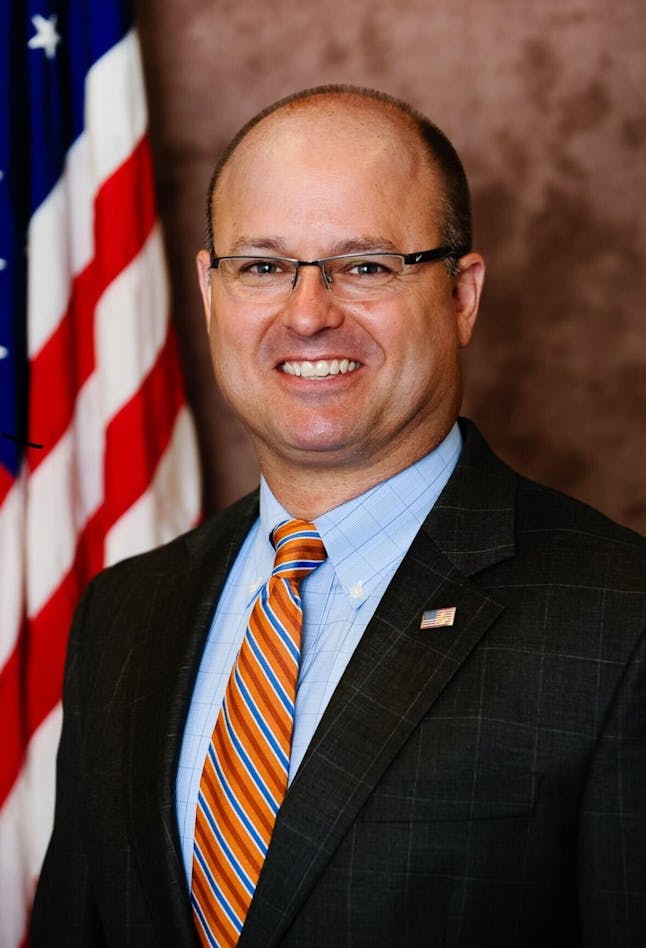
[[480, 785]]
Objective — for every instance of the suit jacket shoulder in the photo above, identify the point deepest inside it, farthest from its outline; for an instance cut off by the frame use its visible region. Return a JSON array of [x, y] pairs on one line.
[[485, 494]]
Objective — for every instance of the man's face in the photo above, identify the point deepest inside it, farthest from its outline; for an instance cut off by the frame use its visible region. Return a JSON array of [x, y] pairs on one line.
[[311, 183]]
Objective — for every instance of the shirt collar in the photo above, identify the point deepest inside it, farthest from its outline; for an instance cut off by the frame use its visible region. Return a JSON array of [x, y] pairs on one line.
[[366, 537]]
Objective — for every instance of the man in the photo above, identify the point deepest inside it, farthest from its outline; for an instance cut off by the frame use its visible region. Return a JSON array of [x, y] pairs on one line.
[[467, 761]]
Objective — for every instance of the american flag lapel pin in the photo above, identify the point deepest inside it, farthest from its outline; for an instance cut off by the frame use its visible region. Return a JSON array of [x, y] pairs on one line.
[[437, 618]]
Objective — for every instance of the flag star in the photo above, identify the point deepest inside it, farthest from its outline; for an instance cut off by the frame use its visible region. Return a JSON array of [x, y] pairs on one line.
[[3, 264], [4, 352], [46, 36]]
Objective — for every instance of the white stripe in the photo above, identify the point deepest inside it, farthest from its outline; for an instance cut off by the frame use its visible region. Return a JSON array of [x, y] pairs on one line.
[[60, 242], [12, 534], [170, 505], [60, 237], [115, 106], [63, 493], [51, 523], [26, 821], [131, 325]]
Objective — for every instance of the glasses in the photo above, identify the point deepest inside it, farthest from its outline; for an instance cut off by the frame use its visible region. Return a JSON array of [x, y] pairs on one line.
[[351, 277]]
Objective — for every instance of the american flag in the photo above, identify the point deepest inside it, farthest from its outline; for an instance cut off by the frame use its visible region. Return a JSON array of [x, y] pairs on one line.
[[97, 449], [437, 618]]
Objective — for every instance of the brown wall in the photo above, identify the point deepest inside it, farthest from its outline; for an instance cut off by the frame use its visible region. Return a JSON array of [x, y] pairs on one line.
[[545, 102]]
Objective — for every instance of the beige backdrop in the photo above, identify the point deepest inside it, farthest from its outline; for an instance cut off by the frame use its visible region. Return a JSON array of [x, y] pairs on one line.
[[545, 102]]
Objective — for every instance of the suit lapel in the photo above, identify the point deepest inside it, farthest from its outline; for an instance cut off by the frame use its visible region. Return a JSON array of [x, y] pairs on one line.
[[180, 609], [392, 680]]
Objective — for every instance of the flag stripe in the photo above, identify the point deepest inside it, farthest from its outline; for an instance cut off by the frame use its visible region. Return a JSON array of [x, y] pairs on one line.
[[11, 589], [6, 483]]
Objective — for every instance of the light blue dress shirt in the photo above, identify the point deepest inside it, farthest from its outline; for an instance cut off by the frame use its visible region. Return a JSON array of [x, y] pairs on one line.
[[365, 539]]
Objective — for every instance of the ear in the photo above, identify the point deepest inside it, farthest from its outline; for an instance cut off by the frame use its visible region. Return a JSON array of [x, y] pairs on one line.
[[203, 262], [467, 288]]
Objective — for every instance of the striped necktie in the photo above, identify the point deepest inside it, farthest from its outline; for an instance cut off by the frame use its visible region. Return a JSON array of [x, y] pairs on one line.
[[245, 772]]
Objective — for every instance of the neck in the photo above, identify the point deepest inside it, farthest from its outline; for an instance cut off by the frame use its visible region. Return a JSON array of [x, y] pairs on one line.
[[308, 490], [309, 497]]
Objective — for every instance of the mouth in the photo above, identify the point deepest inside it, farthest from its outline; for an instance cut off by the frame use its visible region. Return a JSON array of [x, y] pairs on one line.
[[321, 369]]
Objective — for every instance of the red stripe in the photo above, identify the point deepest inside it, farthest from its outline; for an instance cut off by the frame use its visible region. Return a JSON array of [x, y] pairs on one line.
[[136, 439], [124, 215], [13, 723], [6, 483]]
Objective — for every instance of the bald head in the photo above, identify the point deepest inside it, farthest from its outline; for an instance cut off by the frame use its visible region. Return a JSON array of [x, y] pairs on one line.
[[307, 125]]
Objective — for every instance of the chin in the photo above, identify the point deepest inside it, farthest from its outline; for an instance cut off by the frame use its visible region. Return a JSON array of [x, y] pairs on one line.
[[321, 447]]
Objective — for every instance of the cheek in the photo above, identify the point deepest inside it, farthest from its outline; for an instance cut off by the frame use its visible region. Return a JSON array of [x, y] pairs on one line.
[[226, 351], [230, 337], [428, 353]]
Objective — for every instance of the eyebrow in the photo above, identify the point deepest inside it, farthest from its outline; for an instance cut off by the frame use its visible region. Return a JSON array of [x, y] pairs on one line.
[[248, 245]]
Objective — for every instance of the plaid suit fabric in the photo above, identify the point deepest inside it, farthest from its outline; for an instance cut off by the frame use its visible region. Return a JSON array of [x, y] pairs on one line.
[[467, 787]]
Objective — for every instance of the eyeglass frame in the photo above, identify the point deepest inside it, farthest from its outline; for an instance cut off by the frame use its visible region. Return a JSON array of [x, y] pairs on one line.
[[409, 259]]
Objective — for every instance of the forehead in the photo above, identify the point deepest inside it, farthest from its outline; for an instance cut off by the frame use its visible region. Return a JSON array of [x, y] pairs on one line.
[[342, 164]]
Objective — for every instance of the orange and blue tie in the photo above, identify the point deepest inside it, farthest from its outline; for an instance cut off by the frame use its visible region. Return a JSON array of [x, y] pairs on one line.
[[246, 769]]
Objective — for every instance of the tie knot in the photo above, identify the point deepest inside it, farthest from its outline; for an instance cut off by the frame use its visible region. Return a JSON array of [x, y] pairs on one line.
[[299, 549]]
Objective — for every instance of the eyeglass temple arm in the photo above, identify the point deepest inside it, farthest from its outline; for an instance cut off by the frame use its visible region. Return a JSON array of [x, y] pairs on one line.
[[440, 253]]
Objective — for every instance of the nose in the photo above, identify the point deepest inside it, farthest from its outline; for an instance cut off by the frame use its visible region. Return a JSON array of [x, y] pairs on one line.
[[310, 306]]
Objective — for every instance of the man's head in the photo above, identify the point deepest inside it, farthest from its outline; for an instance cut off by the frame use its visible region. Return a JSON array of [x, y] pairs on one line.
[[339, 393]]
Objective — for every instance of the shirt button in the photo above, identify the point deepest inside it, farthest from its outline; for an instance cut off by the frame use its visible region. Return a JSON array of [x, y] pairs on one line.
[[356, 591]]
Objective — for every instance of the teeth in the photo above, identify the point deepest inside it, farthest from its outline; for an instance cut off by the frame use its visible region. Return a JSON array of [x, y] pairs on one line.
[[319, 370]]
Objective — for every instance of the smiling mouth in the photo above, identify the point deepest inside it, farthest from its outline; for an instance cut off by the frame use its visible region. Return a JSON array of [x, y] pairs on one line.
[[321, 369]]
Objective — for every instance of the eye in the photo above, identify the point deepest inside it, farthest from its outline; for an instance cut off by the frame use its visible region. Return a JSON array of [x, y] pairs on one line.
[[370, 268], [259, 267]]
